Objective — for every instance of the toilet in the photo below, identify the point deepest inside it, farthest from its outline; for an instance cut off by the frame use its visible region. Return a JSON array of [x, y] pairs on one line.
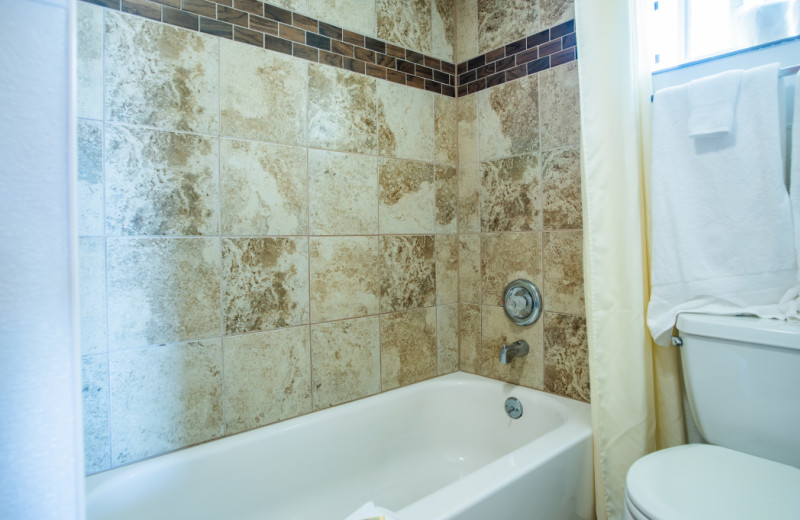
[[742, 379]]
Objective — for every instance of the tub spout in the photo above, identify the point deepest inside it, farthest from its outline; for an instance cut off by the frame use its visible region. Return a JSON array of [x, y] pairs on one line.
[[514, 350]]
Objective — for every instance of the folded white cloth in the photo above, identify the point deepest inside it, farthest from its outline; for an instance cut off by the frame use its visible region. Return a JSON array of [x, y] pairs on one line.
[[791, 301], [721, 220], [712, 103], [370, 511]]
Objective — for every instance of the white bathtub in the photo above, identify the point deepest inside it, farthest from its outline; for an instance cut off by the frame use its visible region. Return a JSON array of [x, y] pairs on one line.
[[440, 449]]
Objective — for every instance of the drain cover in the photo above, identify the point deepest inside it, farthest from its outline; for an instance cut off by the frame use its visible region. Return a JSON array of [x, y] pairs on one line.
[[513, 408]]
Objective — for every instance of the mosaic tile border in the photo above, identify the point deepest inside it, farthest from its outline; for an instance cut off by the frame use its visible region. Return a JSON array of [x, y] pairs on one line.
[[529, 55], [277, 29]]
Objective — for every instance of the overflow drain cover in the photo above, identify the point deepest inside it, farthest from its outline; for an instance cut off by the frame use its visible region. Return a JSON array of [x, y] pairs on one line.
[[513, 408]]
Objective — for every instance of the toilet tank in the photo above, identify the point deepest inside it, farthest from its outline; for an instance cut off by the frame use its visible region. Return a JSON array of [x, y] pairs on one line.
[[742, 377]]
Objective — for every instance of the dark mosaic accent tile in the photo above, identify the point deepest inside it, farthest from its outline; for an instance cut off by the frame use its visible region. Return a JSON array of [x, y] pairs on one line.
[[486, 70], [181, 18], [353, 38], [563, 29], [394, 50], [462, 68], [243, 35], [329, 58], [506, 63], [304, 22], [467, 77], [169, 3], [477, 86], [143, 8], [251, 6], [476, 62], [201, 7], [520, 71], [354, 65], [415, 81], [305, 52], [227, 14], [365, 55], [448, 90], [385, 61], [264, 25], [345, 49], [414, 57], [292, 33], [405, 66], [376, 71], [462, 90], [318, 41], [550, 47], [278, 14], [569, 41], [448, 68], [111, 4], [565, 56], [513, 48], [226, 3], [396, 77], [424, 72], [331, 31], [277, 44], [497, 79], [374, 45], [495, 54], [432, 86], [216, 28], [539, 65], [442, 77], [432, 63], [538, 38], [528, 55]]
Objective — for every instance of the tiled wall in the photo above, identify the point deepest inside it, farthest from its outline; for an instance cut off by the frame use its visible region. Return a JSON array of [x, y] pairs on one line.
[[519, 201], [261, 236]]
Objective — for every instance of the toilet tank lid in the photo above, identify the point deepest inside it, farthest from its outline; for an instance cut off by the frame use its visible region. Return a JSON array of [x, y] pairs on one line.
[[748, 329]]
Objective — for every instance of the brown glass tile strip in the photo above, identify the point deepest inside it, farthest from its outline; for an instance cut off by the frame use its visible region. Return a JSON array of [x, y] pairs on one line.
[[222, 29], [169, 3], [277, 44], [251, 6], [265, 25], [181, 18], [345, 49], [144, 8], [305, 23], [243, 35], [201, 7], [329, 58], [318, 41], [305, 52], [227, 14], [353, 38], [111, 4], [331, 31], [278, 14]]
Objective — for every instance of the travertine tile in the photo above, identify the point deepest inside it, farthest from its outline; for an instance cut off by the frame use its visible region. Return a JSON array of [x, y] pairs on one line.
[[164, 398], [554, 12], [345, 277], [501, 22], [561, 187], [160, 183], [469, 268], [508, 116], [408, 347], [262, 94], [443, 29], [469, 216], [446, 199], [566, 356], [162, 290], [267, 378], [408, 272], [92, 294], [90, 178], [467, 33], [265, 282], [300, 6], [159, 75], [467, 129], [405, 122], [355, 15], [445, 129], [511, 194], [447, 338], [469, 338], [563, 271], [264, 189], [341, 110], [407, 199], [446, 269], [405, 23], [506, 257], [497, 329], [345, 361], [90, 60], [343, 190], [96, 433], [560, 106]]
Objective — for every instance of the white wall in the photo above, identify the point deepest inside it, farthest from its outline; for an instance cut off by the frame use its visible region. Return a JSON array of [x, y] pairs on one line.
[[40, 450]]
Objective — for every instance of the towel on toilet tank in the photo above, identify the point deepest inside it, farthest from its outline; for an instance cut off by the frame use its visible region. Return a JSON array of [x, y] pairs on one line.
[[721, 219]]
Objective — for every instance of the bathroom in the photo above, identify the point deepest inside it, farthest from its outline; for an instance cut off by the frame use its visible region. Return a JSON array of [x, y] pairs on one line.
[[346, 214]]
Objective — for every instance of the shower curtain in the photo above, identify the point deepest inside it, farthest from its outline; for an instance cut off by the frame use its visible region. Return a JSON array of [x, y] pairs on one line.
[[635, 385]]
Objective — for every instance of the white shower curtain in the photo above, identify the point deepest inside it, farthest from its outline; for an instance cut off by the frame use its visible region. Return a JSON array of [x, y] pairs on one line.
[[635, 385]]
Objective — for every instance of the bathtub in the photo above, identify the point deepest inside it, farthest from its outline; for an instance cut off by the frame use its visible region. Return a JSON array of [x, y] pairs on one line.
[[439, 449]]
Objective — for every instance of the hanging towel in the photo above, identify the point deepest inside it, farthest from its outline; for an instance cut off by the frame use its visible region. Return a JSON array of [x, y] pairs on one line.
[[791, 302], [712, 103], [721, 220]]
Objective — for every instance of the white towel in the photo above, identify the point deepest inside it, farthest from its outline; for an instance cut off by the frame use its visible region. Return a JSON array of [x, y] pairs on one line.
[[722, 224], [791, 302], [370, 511], [712, 103]]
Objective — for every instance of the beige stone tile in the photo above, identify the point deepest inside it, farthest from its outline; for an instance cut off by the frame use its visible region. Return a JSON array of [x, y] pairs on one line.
[[447, 249], [554, 12], [345, 361], [96, 433], [506, 257], [497, 329], [511, 194], [164, 398], [267, 378], [159, 75], [90, 178], [160, 183], [561, 189], [92, 295], [407, 196], [566, 356], [354, 15], [467, 113], [405, 23], [443, 29], [469, 337], [445, 129], [446, 199], [559, 106], [469, 269], [408, 272], [469, 216], [341, 110], [300, 6], [405, 122], [501, 22], [343, 190], [408, 347], [264, 189], [162, 290], [262, 94], [508, 116], [345, 277], [467, 30], [265, 283], [447, 338], [90, 60], [563, 272]]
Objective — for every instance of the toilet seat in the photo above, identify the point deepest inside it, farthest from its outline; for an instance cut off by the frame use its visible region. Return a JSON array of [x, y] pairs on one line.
[[701, 481]]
